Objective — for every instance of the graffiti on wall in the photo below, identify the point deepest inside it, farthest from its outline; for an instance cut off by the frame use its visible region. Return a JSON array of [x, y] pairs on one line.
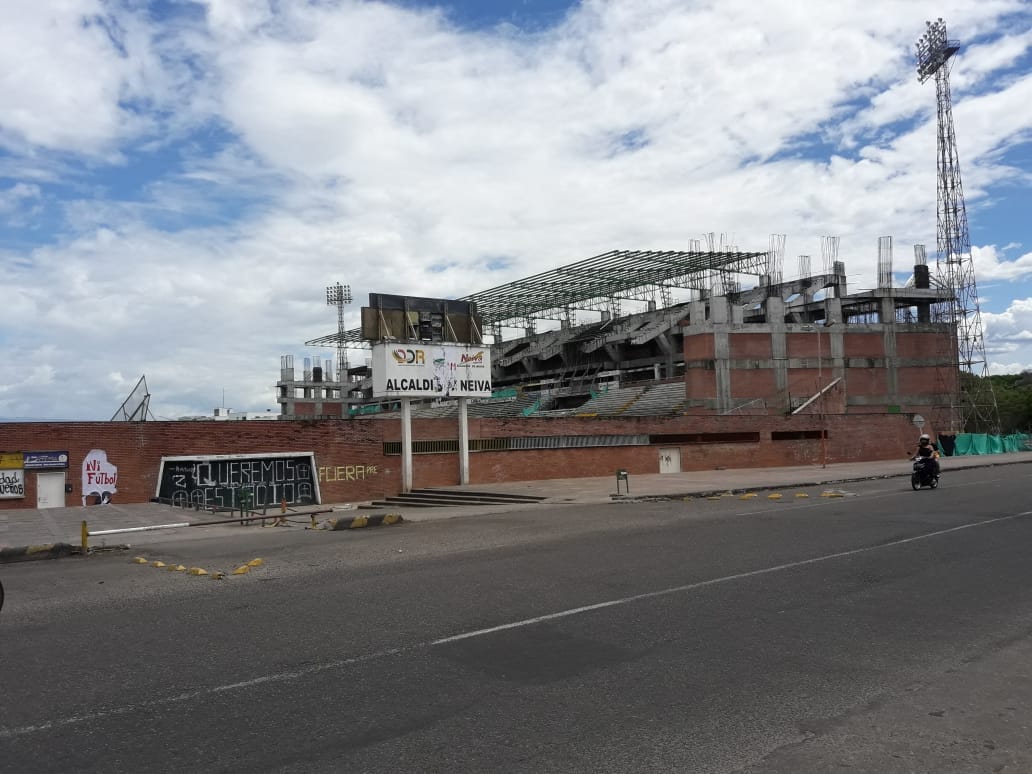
[[246, 481], [347, 472], [12, 483], [99, 478]]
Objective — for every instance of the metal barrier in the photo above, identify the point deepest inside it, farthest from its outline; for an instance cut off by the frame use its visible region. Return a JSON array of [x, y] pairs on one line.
[[263, 517]]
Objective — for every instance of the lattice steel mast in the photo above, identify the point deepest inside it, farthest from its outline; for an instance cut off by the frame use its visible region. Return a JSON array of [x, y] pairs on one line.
[[977, 411], [338, 295]]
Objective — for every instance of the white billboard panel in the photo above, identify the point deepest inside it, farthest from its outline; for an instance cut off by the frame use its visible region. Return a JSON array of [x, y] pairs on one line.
[[431, 371]]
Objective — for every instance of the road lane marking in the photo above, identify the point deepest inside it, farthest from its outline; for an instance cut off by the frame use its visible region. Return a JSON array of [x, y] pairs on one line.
[[716, 581], [286, 676]]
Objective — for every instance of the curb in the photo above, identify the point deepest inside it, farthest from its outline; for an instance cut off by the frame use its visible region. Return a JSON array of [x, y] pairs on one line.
[[766, 487], [31, 553], [357, 522]]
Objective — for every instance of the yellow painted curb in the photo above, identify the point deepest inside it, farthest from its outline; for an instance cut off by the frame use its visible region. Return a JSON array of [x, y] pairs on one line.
[[255, 563], [157, 564], [748, 496], [140, 560], [713, 498], [360, 521], [177, 568], [801, 494], [218, 575], [831, 494], [774, 496], [391, 518], [197, 571], [242, 570]]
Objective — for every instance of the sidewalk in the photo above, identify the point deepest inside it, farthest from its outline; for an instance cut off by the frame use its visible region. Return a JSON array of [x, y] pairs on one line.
[[23, 528]]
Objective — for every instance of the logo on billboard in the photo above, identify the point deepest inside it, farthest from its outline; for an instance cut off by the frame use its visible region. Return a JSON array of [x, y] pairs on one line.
[[467, 358], [409, 356]]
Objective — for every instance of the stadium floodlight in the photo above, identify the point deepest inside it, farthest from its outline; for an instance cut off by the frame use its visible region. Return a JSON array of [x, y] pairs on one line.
[[933, 49], [338, 294]]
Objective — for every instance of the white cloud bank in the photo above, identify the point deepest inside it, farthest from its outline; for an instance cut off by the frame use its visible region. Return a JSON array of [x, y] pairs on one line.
[[307, 143]]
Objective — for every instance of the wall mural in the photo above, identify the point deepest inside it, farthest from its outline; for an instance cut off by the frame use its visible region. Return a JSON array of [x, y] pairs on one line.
[[99, 478], [239, 481]]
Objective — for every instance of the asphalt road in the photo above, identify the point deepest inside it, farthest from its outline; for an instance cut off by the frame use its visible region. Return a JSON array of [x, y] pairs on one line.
[[887, 630]]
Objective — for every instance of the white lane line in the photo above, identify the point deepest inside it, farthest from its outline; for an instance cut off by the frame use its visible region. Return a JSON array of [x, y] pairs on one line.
[[716, 581], [279, 677]]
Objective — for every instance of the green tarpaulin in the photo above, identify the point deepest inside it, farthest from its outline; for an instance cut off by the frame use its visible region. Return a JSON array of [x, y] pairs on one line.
[[981, 443]]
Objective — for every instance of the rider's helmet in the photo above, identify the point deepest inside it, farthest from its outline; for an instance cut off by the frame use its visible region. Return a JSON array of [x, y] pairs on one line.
[[924, 438]]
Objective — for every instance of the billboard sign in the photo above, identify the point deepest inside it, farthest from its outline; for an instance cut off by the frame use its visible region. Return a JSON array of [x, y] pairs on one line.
[[12, 460], [46, 460], [431, 371]]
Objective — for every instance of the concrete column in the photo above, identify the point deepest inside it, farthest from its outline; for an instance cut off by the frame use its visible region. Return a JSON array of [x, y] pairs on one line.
[[886, 311], [779, 362], [891, 362], [833, 310], [697, 313], [722, 368], [719, 310], [774, 308]]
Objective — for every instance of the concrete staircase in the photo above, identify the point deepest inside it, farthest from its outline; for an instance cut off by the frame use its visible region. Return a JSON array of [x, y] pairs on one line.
[[438, 498]]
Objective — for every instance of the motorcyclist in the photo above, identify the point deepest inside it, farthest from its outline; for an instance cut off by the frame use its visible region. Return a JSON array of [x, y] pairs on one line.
[[929, 451]]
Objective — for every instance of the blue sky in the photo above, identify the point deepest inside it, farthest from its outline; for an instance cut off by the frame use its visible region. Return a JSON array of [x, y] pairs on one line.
[[180, 180]]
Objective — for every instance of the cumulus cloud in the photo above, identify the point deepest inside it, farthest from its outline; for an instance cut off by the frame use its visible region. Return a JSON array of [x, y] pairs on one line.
[[207, 169]]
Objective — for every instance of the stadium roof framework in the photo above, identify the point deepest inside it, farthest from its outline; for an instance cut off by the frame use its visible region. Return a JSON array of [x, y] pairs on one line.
[[595, 282]]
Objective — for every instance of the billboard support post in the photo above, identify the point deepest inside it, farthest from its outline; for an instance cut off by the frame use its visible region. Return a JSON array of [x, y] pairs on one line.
[[406, 445], [463, 442]]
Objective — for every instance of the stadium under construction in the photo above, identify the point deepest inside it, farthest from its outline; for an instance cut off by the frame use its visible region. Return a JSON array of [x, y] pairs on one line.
[[696, 332]]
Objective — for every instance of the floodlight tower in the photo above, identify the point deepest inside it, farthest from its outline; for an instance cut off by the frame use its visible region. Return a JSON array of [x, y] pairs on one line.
[[955, 270], [338, 295]]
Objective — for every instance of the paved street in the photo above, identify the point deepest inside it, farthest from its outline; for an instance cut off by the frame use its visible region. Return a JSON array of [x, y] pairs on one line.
[[883, 630]]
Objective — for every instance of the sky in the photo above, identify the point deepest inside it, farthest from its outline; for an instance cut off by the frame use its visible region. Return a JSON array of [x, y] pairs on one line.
[[180, 181]]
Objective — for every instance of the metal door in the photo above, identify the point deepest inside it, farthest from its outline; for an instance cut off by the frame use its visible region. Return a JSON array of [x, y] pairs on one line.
[[50, 490], [670, 460]]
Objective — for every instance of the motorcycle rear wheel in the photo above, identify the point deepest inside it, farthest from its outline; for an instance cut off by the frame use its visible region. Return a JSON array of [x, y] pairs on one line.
[[915, 481]]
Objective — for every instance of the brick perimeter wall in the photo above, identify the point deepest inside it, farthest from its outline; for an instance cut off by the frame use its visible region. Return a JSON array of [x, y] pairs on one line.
[[352, 467]]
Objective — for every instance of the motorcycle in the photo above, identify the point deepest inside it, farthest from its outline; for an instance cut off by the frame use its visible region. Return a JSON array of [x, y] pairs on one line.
[[924, 474]]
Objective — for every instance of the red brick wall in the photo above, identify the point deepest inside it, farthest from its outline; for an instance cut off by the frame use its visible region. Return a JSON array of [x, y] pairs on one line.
[[864, 344], [750, 383], [750, 346], [352, 467], [136, 449]]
